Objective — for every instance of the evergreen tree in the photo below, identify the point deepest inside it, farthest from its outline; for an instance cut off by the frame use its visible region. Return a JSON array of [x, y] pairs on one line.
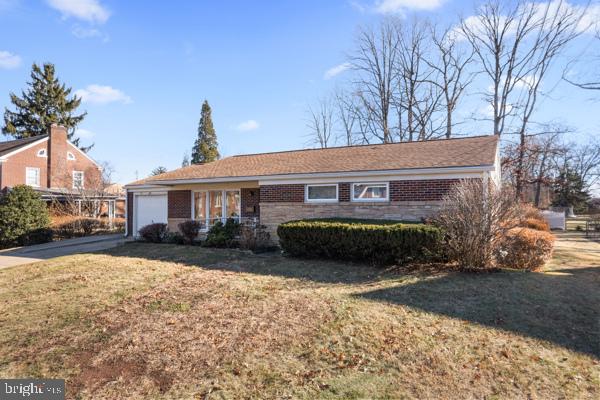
[[186, 160], [569, 191], [205, 149], [158, 170], [46, 101], [22, 214]]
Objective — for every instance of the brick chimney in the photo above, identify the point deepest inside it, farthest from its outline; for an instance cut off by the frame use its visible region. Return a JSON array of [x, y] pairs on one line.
[[57, 156]]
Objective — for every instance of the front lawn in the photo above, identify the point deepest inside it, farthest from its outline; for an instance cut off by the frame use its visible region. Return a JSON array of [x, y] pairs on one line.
[[165, 321]]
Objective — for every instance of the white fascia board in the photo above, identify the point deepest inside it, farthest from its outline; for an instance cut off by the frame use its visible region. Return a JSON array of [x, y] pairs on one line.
[[147, 189], [417, 173], [85, 155], [20, 149]]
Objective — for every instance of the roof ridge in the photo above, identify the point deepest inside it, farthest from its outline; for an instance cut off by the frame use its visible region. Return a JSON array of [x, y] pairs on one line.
[[32, 138], [359, 145]]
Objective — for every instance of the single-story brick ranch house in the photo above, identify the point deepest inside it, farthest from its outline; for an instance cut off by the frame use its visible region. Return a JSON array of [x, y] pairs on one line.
[[403, 181]]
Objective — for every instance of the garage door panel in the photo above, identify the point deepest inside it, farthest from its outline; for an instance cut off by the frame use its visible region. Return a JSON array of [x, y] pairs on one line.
[[150, 209]]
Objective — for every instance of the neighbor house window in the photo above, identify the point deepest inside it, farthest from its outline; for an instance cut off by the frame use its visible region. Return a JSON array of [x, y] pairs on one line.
[[216, 205], [370, 191], [32, 176], [70, 156], [77, 179], [41, 153], [321, 193]]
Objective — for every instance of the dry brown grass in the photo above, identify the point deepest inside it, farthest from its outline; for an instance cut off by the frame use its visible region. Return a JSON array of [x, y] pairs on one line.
[[143, 321]]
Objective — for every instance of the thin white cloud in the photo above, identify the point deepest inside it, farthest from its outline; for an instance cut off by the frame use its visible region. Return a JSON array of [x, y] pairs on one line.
[[84, 134], [400, 6], [588, 23], [81, 32], [86, 10], [9, 60], [334, 71], [250, 125], [98, 94]]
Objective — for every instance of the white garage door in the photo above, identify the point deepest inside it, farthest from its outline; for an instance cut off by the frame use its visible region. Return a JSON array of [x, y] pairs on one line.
[[150, 209]]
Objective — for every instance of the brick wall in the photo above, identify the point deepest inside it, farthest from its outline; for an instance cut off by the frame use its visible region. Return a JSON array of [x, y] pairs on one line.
[[13, 169], [250, 203], [407, 190], [344, 192], [179, 204], [129, 214], [420, 190], [277, 193]]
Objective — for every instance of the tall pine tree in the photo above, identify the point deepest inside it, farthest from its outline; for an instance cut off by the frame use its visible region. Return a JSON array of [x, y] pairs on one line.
[[46, 101], [205, 148]]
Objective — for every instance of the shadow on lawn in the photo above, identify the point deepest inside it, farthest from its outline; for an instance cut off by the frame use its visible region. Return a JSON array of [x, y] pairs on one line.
[[321, 271], [561, 306]]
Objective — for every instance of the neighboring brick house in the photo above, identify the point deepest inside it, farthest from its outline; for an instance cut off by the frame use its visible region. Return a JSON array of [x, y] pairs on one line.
[[53, 166], [401, 181]]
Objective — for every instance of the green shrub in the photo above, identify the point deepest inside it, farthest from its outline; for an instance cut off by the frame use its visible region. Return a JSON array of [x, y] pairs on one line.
[[189, 230], [22, 215], [380, 242], [154, 233], [223, 235], [174, 238]]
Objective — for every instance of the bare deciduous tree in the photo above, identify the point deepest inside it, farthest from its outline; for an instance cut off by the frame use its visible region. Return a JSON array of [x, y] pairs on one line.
[[90, 197], [516, 43], [374, 61], [346, 116], [320, 123], [453, 76], [418, 98]]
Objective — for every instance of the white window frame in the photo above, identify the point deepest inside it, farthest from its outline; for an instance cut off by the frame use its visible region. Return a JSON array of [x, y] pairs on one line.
[[42, 153], [224, 216], [39, 178], [372, 200], [337, 193], [70, 156], [82, 179]]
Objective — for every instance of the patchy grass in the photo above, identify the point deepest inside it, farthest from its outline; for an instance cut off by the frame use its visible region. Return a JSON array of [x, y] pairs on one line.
[[162, 321]]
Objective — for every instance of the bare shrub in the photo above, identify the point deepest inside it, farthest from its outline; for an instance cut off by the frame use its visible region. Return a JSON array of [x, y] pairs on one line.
[[255, 238], [189, 230], [475, 217]]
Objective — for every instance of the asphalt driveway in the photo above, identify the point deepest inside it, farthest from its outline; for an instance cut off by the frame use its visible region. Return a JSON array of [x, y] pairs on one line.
[[29, 254]]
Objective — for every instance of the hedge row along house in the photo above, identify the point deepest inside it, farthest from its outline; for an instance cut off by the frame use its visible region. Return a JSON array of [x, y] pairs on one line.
[[399, 181], [60, 172]]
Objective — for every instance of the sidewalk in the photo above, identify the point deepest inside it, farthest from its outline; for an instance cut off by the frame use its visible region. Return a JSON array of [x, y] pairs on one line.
[[29, 254]]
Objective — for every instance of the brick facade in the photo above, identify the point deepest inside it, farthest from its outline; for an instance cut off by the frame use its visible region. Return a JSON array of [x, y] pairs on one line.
[[129, 214], [277, 193], [56, 171], [250, 202], [344, 192], [420, 190], [179, 204]]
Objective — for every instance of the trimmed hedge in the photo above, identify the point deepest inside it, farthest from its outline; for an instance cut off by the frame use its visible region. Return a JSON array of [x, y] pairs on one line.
[[379, 241]]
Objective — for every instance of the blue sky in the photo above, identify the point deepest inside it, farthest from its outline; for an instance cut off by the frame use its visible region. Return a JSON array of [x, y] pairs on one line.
[[145, 67]]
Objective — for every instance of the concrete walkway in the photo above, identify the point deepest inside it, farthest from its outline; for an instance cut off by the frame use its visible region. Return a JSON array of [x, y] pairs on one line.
[[39, 252]]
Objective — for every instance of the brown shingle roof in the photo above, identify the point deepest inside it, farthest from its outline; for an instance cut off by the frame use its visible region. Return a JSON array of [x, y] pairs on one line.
[[11, 145], [471, 151]]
